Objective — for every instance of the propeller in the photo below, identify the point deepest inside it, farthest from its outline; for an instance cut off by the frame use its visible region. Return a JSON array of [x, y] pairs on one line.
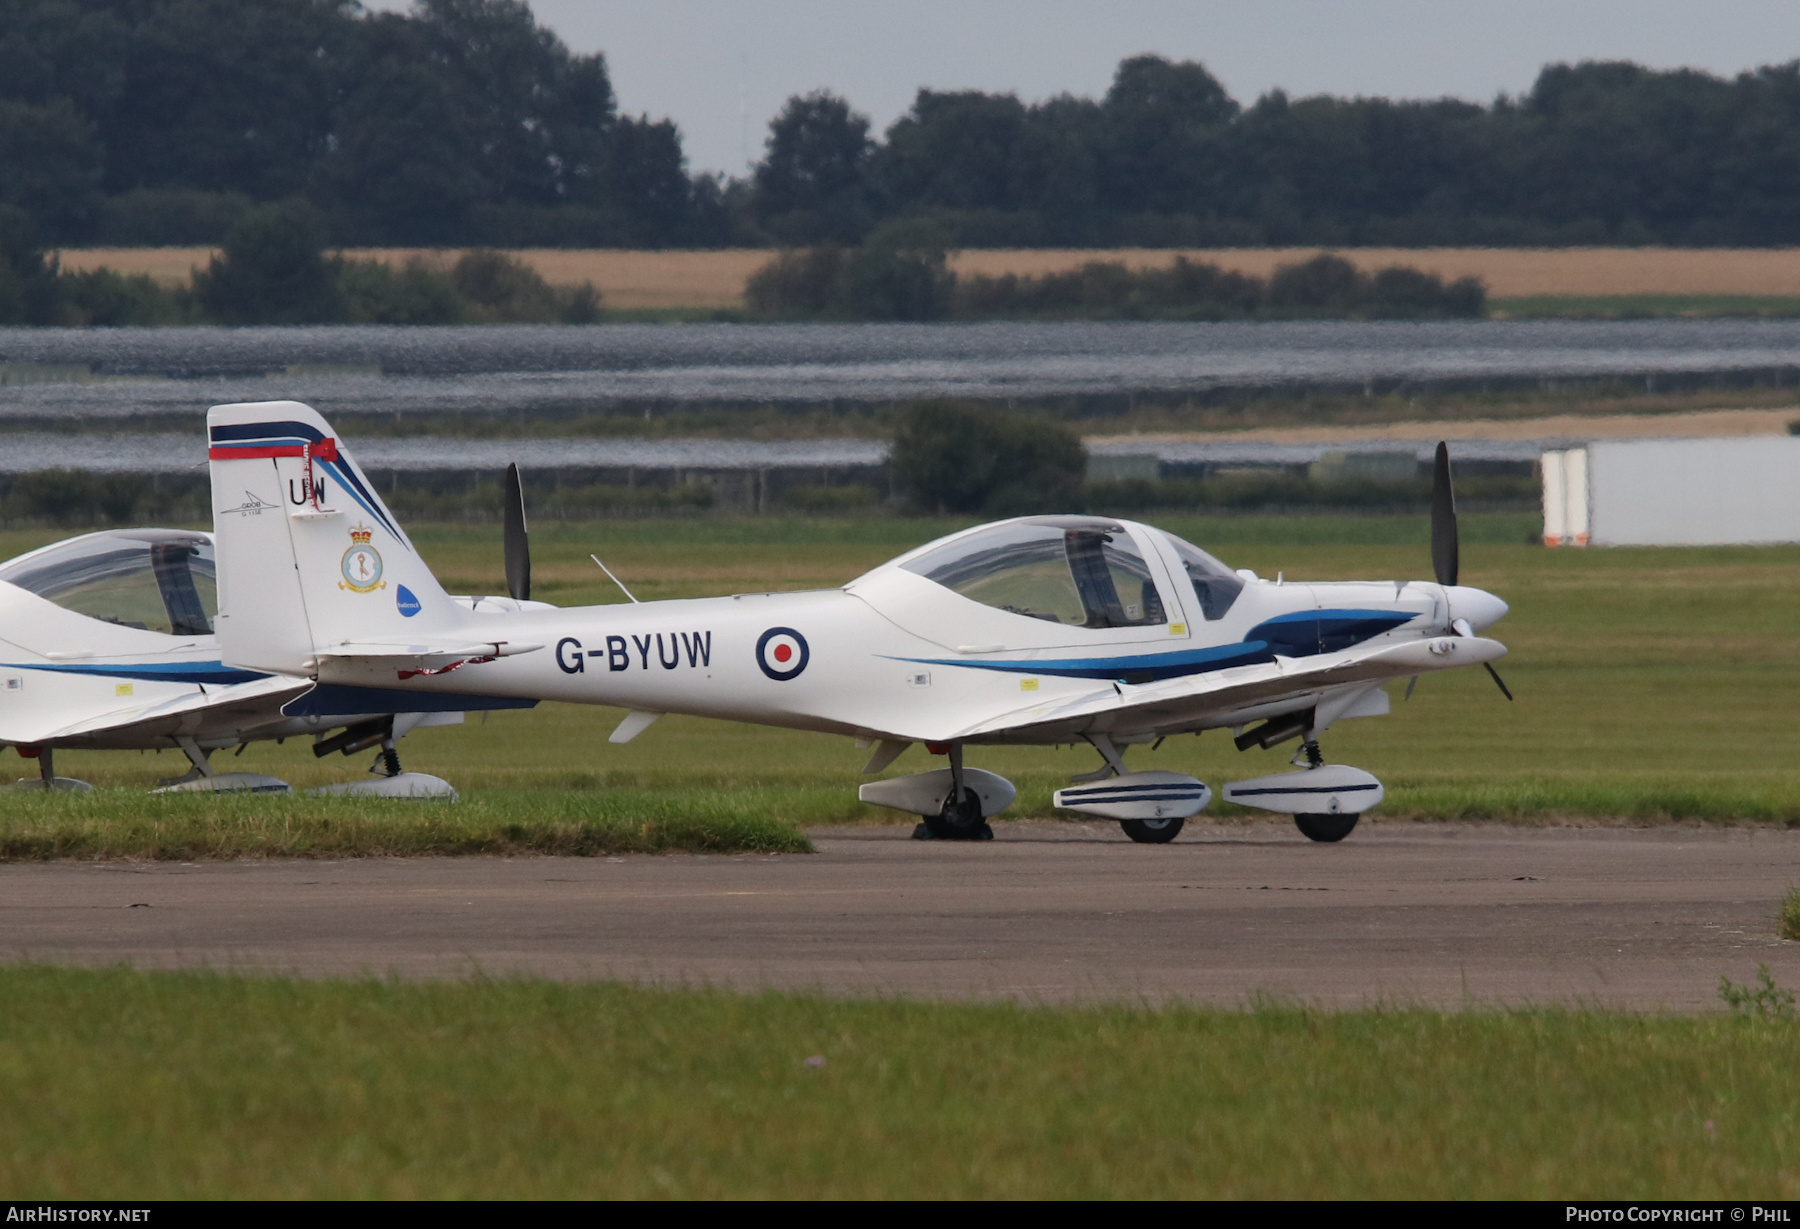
[[1446, 551], [518, 546]]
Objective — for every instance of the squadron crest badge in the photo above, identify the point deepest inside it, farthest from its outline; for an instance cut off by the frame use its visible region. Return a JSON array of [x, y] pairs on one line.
[[362, 563]]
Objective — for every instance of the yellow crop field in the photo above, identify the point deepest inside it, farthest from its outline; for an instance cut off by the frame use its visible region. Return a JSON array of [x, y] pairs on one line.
[[702, 279]]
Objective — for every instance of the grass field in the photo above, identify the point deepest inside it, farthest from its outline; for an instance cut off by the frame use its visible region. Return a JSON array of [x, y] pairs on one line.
[[122, 1085], [125, 823], [645, 280], [1651, 684]]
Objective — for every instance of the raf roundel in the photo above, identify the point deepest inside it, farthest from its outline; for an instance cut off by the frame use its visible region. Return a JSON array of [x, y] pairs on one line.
[[782, 653]]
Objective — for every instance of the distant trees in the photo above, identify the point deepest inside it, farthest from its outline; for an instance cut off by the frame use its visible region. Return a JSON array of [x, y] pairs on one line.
[[463, 122], [813, 187], [272, 271], [1594, 153], [460, 121], [27, 279], [961, 457]]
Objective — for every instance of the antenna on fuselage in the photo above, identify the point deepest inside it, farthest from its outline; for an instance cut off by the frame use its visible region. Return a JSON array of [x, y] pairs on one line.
[[611, 577]]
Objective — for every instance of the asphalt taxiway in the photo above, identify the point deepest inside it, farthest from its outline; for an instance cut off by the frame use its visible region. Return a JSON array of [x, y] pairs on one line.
[[1441, 914]]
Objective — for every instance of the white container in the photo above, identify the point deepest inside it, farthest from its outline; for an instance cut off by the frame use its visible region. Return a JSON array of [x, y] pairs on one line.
[[1674, 492]]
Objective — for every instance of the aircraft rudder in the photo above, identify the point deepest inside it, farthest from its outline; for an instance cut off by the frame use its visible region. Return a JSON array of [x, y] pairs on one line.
[[286, 488]]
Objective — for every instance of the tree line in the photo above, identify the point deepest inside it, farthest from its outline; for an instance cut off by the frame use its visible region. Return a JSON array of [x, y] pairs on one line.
[[273, 269], [463, 122], [900, 274]]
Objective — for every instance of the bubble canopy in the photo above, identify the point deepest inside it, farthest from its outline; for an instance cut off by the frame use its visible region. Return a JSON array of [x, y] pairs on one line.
[[1077, 571], [160, 580]]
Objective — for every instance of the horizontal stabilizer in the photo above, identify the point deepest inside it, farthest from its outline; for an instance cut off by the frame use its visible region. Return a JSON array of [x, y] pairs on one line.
[[366, 661]]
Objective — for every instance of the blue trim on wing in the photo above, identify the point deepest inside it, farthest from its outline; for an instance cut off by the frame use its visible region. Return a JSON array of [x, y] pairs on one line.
[[151, 672], [335, 700], [1301, 634], [1145, 667]]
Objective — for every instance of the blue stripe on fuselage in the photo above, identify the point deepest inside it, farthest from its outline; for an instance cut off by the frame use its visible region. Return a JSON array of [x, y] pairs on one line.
[[150, 672], [1304, 633]]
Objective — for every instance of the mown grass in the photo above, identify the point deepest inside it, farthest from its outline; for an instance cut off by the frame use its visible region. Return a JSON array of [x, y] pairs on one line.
[[1651, 684], [119, 823], [131, 1085]]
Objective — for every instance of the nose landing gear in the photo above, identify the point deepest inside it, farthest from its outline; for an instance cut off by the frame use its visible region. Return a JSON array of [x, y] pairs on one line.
[[1325, 827], [1325, 800]]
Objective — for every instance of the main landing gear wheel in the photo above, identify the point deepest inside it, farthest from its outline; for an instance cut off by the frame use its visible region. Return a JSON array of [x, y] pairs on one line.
[[1153, 831], [960, 821], [1326, 827]]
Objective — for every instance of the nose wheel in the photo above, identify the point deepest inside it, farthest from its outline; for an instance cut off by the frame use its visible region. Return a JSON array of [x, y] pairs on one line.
[[1153, 831]]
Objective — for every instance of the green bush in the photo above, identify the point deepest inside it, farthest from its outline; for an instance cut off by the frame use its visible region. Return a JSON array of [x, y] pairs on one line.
[[500, 289], [1108, 289], [965, 458], [273, 270], [1329, 285], [105, 298], [884, 281], [797, 285], [900, 274], [375, 292]]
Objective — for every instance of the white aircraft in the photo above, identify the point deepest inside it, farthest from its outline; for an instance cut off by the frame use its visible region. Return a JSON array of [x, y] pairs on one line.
[[1039, 630], [106, 642]]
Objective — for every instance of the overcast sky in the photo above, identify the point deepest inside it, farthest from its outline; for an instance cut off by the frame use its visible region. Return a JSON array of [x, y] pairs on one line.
[[721, 68]]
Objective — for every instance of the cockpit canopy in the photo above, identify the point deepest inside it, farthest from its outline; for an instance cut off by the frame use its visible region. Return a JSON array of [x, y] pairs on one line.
[[160, 580], [1078, 571]]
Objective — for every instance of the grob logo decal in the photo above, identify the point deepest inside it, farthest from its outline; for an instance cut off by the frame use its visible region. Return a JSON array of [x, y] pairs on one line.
[[782, 653]]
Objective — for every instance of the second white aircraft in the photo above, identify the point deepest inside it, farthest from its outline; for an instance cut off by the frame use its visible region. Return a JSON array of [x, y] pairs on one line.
[[1042, 630]]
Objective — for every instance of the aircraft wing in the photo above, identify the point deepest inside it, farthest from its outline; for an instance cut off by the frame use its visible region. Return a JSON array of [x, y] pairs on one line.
[[259, 697], [1174, 702]]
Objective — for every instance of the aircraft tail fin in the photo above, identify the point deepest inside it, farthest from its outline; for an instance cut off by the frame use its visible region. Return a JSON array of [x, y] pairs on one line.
[[309, 556]]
